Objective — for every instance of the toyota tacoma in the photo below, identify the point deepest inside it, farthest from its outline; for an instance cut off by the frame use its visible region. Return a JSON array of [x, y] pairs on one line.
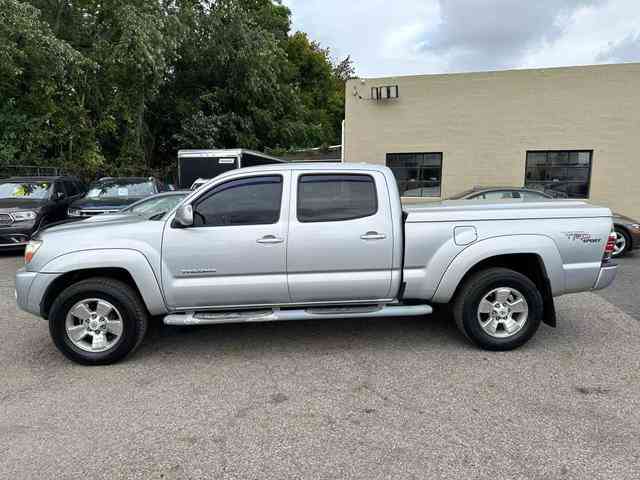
[[296, 242]]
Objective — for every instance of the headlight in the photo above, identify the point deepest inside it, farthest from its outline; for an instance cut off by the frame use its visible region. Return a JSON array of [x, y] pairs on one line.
[[74, 212], [31, 249], [24, 216]]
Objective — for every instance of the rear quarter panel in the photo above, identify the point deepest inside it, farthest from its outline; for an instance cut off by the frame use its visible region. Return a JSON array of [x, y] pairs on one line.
[[571, 249]]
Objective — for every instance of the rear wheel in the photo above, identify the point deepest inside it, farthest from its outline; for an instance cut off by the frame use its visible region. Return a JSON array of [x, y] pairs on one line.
[[623, 241], [498, 309], [98, 321]]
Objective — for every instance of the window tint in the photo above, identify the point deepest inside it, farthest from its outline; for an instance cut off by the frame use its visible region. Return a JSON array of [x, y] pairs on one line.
[[335, 197], [246, 201], [71, 187], [417, 174], [560, 173], [59, 186]]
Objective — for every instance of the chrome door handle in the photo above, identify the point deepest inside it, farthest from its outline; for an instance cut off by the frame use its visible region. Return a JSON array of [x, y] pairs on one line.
[[270, 239], [373, 236]]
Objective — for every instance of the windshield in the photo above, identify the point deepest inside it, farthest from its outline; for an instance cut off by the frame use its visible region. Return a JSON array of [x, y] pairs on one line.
[[121, 188], [153, 206], [31, 190]]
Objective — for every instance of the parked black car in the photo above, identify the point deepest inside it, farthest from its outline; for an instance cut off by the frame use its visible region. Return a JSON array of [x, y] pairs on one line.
[[626, 229], [112, 194], [28, 203]]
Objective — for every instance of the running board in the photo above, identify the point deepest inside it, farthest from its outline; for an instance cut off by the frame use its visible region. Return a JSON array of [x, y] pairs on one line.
[[277, 315]]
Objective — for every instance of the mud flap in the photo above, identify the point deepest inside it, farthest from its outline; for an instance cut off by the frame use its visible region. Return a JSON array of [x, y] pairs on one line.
[[549, 305]]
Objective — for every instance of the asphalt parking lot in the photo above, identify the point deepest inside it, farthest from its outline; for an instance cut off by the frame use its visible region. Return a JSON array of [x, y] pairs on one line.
[[394, 398]]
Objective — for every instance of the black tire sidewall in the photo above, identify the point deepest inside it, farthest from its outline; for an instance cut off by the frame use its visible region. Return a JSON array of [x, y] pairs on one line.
[[68, 299], [482, 287]]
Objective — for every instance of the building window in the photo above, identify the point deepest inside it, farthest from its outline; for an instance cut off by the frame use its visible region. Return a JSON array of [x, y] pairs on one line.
[[417, 174], [566, 173]]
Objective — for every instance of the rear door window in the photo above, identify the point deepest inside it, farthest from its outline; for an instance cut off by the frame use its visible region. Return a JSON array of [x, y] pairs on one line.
[[336, 197]]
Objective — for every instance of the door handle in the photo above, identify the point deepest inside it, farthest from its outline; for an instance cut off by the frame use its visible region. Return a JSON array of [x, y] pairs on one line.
[[270, 239], [373, 236]]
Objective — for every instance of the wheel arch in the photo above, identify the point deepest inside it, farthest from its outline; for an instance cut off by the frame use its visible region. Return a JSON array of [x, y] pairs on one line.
[[534, 256], [128, 266]]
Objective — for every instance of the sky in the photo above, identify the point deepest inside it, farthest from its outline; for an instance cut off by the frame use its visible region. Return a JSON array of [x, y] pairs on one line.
[[408, 37]]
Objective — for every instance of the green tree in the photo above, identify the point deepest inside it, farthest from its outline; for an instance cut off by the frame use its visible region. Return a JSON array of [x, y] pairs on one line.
[[43, 119], [120, 85]]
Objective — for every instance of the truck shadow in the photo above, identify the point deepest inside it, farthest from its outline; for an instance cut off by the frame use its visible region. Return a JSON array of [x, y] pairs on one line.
[[311, 336]]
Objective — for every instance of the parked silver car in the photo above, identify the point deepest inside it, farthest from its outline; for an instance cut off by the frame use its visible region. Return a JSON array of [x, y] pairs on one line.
[[312, 241]]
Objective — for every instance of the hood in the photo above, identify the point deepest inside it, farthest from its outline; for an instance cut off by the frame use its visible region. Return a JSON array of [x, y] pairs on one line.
[[105, 217], [99, 221], [14, 204], [127, 232], [104, 203]]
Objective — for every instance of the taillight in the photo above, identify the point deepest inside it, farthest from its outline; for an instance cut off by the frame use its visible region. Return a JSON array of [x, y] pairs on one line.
[[611, 245]]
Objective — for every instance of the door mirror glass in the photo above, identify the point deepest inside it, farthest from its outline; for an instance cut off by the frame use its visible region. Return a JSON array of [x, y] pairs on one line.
[[184, 216]]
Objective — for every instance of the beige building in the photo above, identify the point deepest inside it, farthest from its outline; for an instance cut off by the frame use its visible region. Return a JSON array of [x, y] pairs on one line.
[[572, 130]]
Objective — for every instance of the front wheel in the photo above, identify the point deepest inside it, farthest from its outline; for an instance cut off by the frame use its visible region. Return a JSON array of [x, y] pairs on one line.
[[498, 309], [98, 321]]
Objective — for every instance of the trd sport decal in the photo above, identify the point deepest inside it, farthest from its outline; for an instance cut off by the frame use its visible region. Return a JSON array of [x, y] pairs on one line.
[[584, 237]]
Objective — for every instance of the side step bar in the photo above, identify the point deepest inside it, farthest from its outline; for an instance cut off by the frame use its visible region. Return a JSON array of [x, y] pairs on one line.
[[276, 314]]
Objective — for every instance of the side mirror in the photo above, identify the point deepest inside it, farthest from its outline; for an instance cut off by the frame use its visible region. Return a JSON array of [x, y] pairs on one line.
[[59, 196], [184, 217]]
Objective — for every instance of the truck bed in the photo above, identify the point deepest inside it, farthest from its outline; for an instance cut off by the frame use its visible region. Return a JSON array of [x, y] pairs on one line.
[[480, 210]]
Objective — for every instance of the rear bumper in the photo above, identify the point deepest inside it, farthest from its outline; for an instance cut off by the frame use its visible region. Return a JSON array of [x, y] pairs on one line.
[[606, 276]]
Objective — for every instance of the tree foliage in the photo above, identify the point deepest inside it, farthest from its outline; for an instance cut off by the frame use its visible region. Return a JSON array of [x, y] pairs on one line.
[[120, 85]]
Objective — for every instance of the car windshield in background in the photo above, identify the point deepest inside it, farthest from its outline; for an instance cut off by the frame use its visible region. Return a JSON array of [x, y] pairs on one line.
[[121, 188], [32, 190], [154, 206], [461, 195]]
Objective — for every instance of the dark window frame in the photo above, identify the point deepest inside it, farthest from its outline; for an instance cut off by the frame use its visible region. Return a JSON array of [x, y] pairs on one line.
[[568, 152], [209, 193], [337, 174], [419, 171]]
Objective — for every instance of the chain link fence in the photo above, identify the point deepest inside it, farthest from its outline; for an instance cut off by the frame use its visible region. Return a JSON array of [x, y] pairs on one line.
[[29, 171]]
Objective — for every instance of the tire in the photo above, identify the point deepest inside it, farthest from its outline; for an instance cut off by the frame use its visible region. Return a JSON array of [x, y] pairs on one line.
[[492, 285], [128, 315], [622, 236]]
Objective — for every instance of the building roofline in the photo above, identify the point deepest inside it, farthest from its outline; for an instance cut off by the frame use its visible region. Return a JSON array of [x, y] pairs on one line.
[[498, 72]]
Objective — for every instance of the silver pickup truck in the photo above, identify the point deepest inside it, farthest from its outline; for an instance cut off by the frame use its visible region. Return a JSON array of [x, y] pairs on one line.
[[296, 242]]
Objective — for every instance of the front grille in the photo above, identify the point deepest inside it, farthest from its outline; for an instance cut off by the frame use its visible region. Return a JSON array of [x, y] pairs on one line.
[[5, 219]]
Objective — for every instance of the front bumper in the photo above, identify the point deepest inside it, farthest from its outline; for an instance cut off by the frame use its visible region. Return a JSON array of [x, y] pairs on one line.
[[606, 276], [30, 289], [16, 235]]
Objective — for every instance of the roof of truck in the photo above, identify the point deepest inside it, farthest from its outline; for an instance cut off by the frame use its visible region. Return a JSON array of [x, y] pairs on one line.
[[315, 166]]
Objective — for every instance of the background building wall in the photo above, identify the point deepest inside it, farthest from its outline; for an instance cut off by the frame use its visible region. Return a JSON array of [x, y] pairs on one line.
[[484, 123]]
